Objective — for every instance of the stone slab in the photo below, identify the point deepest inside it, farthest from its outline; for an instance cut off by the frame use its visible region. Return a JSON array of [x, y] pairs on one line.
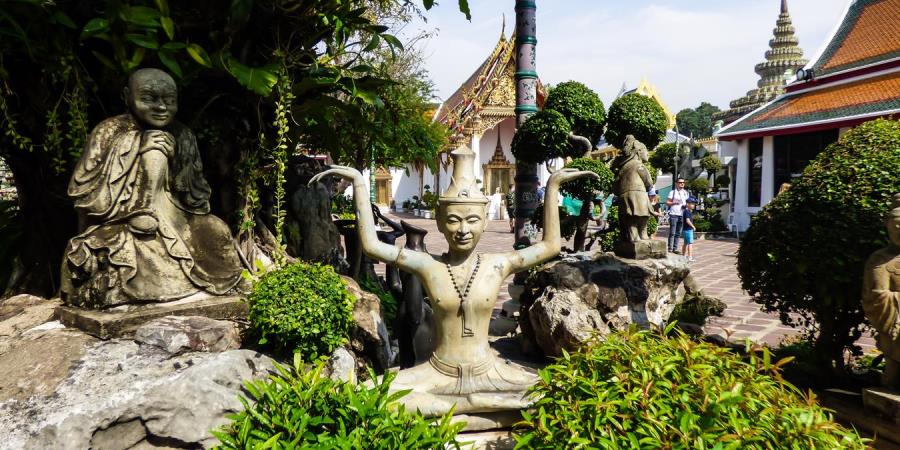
[[122, 321], [484, 440], [641, 249], [488, 421], [884, 402]]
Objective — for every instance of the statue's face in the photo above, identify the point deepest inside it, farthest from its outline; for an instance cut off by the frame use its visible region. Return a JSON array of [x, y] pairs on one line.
[[152, 97], [462, 225], [893, 229]]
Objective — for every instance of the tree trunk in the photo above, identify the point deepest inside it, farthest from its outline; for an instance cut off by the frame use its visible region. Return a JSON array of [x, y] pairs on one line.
[[48, 222], [581, 232]]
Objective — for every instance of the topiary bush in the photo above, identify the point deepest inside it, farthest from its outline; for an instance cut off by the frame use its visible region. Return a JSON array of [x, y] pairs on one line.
[[636, 115], [581, 106], [804, 253], [636, 390], [302, 408], [585, 188], [301, 308], [545, 135], [664, 157], [699, 187], [567, 224], [711, 164]]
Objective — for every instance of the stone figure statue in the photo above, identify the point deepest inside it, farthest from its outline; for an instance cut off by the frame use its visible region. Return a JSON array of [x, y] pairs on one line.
[[414, 315], [391, 273], [143, 205], [462, 286], [630, 188], [881, 297]]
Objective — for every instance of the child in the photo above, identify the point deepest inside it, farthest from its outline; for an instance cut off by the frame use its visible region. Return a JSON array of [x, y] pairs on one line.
[[688, 216]]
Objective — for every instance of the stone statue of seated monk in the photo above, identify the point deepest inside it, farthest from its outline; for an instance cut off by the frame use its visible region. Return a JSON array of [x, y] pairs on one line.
[[463, 286], [143, 204], [881, 297]]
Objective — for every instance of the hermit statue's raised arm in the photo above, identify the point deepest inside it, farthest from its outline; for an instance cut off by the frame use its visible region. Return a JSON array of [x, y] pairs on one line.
[[411, 261], [551, 243]]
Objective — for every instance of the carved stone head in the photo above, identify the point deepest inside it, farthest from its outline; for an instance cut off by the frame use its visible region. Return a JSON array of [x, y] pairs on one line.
[[152, 97], [462, 209], [893, 222]]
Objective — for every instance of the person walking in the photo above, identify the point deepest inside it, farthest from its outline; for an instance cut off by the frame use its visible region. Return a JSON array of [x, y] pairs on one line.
[[676, 201]]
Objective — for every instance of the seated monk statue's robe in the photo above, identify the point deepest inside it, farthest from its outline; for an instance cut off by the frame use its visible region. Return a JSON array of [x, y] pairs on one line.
[[110, 263], [881, 299]]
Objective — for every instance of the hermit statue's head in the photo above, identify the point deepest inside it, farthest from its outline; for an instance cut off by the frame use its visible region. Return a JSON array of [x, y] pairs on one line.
[[152, 97], [893, 221], [462, 209], [636, 148]]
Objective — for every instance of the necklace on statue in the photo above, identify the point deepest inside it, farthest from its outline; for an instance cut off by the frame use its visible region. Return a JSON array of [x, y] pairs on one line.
[[465, 307]]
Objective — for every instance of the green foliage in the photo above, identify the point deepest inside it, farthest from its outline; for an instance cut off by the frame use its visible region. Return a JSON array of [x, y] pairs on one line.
[[586, 188], [664, 157], [303, 408], [804, 253], [544, 136], [711, 164], [697, 308], [430, 200], [636, 115], [581, 106], [696, 122], [639, 390], [301, 308], [387, 300], [342, 204], [567, 223], [699, 187], [723, 181]]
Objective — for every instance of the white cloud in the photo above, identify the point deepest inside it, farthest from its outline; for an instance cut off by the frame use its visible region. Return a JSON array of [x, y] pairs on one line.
[[693, 51]]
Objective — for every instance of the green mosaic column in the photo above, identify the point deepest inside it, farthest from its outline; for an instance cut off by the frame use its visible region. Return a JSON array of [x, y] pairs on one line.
[[526, 105]]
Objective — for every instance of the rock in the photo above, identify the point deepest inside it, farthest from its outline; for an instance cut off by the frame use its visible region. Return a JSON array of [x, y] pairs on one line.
[[369, 339], [178, 334], [21, 313], [568, 300], [341, 366], [36, 365], [883, 402], [117, 394]]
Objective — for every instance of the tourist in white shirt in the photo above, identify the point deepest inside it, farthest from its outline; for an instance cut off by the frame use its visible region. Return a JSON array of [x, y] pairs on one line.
[[676, 201]]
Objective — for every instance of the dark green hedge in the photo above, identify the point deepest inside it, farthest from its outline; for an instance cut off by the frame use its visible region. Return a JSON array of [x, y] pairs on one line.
[[545, 135], [581, 106], [585, 188], [639, 116]]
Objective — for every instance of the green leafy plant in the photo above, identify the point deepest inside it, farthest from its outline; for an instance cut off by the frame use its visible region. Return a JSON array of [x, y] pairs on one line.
[[608, 240], [639, 390], [581, 106], [587, 187], [303, 408], [387, 300], [723, 181], [699, 187], [567, 224], [301, 308], [664, 156], [636, 115], [544, 136], [804, 253], [342, 204], [711, 163]]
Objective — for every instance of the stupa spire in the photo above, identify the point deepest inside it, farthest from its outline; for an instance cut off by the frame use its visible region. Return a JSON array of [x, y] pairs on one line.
[[783, 59]]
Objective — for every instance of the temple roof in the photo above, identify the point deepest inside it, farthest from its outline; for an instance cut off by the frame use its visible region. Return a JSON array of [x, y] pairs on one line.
[[783, 57], [868, 34], [648, 90], [488, 95], [856, 77]]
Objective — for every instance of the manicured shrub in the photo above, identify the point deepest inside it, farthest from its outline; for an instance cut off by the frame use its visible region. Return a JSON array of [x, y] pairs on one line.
[[544, 136], [699, 187], [664, 157], [305, 409], [711, 164], [581, 106], [636, 115], [567, 223], [636, 390], [585, 188], [804, 253], [301, 308], [387, 300], [723, 181]]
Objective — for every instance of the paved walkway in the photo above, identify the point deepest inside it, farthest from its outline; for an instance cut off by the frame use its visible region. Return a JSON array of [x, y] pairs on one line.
[[714, 270]]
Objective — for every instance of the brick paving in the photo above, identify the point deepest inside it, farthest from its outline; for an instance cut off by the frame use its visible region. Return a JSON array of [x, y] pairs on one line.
[[714, 270]]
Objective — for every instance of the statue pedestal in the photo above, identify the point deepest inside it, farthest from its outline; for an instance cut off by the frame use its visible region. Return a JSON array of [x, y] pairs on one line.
[[641, 249], [123, 320], [884, 402]]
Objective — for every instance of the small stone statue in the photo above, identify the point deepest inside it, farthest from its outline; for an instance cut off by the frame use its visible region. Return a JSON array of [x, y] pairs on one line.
[[881, 297], [630, 188], [143, 203], [462, 286]]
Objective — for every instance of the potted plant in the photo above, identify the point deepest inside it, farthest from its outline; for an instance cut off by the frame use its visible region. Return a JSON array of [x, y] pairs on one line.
[[405, 206]]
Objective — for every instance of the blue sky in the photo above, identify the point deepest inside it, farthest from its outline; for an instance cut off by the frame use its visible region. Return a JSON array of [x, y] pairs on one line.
[[692, 50]]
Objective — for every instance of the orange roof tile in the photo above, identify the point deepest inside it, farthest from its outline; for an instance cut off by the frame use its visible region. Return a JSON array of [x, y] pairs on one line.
[[869, 33]]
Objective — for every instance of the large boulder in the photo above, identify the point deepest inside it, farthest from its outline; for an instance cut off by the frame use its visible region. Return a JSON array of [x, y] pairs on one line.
[[369, 339], [21, 313], [65, 389], [179, 334], [567, 301]]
